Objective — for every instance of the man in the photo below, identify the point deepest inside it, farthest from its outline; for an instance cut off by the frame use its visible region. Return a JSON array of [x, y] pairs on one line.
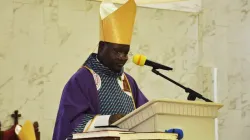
[[100, 92]]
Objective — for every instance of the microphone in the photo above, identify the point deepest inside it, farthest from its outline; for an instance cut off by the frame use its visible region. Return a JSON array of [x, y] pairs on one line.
[[177, 131], [142, 60]]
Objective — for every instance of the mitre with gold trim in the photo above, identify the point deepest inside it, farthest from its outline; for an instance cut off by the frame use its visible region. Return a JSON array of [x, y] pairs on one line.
[[117, 24]]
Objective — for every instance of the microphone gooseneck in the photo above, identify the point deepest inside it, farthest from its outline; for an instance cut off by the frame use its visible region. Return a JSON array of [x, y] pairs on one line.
[[141, 60]]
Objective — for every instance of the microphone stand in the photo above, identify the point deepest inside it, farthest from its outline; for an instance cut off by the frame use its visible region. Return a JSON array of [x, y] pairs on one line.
[[192, 94]]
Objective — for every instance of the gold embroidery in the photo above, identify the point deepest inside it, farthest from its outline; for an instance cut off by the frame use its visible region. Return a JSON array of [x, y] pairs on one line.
[[90, 123], [125, 78]]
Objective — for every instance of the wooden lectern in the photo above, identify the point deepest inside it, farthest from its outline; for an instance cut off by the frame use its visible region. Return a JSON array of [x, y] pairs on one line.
[[195, 118]]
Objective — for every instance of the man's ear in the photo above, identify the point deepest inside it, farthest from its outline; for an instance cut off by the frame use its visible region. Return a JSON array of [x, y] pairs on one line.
[[101, 47]]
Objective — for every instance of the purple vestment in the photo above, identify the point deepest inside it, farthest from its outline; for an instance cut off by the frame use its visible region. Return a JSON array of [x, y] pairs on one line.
[[80, 97]]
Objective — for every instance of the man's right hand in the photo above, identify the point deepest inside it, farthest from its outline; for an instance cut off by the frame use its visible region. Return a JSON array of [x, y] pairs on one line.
[[115, 117]]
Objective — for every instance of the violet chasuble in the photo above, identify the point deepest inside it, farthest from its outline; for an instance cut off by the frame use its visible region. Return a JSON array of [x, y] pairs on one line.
[[83, 97]]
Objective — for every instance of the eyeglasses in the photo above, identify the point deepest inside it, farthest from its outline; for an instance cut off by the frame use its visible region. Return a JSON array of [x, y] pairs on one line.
[[120, 54]]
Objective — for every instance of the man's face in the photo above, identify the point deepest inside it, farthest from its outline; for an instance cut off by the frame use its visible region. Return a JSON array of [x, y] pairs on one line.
[[114, 56]]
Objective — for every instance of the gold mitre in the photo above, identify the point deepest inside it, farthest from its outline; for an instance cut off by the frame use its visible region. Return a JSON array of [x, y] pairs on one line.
[[117, 24]]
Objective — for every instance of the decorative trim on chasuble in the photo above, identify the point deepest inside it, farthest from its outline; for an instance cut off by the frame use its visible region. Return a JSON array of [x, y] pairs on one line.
[[86, 130], [123, 82]]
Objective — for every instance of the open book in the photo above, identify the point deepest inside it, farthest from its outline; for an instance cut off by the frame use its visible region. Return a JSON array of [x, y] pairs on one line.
[[124, 134], [102, 131], [148, 136]]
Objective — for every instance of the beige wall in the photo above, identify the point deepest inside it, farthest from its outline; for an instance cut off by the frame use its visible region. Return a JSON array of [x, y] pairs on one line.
[[226, 45], [43, 42]]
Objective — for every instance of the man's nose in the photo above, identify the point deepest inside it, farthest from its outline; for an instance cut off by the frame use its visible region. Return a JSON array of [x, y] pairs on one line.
[[123, 56]]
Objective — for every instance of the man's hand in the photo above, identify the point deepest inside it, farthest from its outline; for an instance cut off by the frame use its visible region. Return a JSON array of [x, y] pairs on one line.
[[115, 117]]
